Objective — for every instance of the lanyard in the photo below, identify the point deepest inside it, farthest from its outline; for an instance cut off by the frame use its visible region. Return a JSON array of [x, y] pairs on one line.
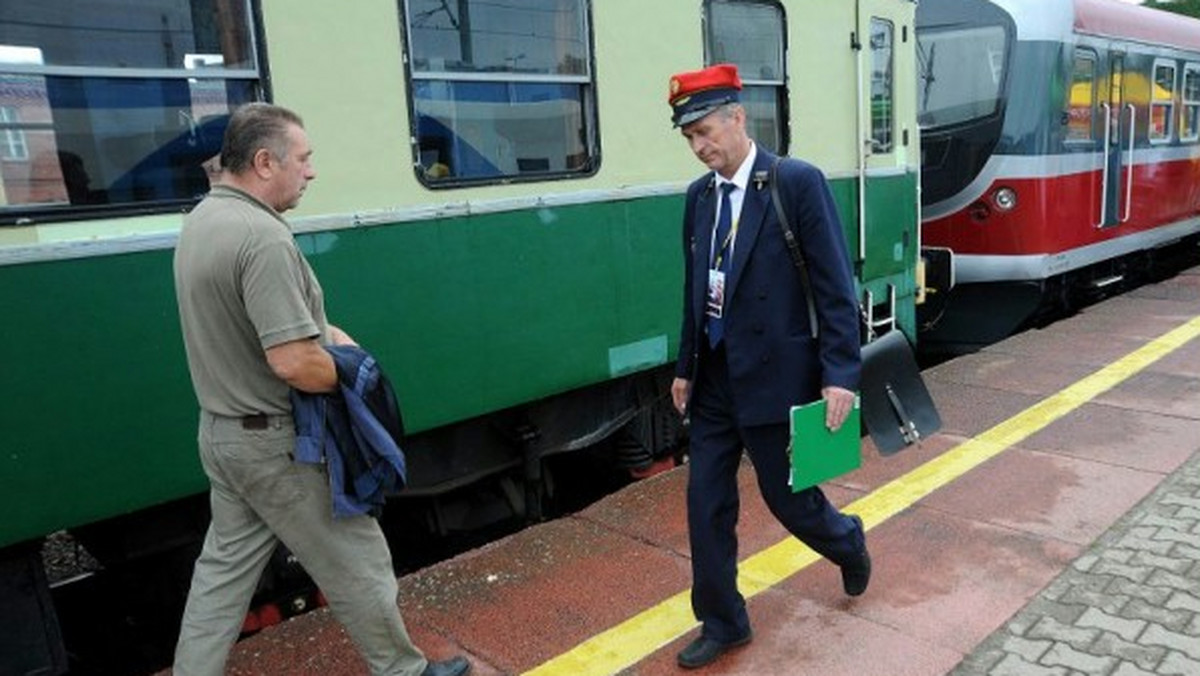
[[726, 245]]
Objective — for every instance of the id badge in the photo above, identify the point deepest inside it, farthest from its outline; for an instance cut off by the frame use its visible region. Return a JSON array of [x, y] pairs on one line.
[[716, 294]]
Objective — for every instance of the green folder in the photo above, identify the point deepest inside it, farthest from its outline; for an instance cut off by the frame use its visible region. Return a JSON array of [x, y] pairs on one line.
[[817, 453]]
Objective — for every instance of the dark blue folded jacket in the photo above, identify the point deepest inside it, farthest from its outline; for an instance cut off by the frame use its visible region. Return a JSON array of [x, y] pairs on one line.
[[355, 431]]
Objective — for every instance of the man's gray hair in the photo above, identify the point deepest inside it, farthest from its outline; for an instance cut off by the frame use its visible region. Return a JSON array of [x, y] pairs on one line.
[[253, 127], [727, 110]]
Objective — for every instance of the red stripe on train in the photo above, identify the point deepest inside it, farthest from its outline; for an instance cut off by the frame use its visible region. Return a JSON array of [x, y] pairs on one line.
[[1060, 213]]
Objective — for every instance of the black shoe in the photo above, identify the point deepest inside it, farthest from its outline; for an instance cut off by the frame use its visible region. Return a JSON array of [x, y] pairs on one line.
[[856, 576], [704, 651], [455, 666]]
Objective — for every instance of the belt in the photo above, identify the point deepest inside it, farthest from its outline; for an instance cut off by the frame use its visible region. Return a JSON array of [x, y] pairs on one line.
[[259, 421]]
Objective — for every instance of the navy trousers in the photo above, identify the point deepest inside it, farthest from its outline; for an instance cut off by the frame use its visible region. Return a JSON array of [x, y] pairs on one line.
[[716, 448]]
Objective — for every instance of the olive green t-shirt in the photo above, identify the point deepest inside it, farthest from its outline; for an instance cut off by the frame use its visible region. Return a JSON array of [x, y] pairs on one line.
[[242, 286]]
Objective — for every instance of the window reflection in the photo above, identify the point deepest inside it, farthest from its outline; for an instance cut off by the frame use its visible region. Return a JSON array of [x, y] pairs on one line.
[[1162, 102], [121, 34], [750, 34], [544, 37], [104, 104], [110, 140], [961, 73], [14, 145], [490, 130], [1189, 128], [882, 100], [500, 89], [1081, 100]]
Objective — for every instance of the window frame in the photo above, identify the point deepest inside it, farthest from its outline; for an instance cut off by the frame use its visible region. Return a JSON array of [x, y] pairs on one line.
[[780, 86], [1190, 69], [589, 104], [257, 76], [1092, 56], [1168, 103]]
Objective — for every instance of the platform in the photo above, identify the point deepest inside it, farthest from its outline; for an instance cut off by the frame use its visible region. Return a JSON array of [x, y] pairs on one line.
[[1050, 528]]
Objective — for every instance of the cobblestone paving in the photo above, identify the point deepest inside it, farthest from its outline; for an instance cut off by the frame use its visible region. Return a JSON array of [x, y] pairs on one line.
[[1130, 606]]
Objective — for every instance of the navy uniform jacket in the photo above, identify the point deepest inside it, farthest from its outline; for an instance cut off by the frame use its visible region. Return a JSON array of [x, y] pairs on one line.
[[774, 363]]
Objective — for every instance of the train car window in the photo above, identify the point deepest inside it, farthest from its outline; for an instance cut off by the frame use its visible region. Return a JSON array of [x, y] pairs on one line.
[[1189, 119], [109, 106], [752, 35], [1081, 98], [882, 90], [1162, 102], [962, 74], [500, 91]]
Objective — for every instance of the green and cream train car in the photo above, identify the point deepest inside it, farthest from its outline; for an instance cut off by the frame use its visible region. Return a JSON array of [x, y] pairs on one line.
[[496, 217]]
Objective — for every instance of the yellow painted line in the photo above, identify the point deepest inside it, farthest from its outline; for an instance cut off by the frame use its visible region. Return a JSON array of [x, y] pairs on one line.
[[632, 640]]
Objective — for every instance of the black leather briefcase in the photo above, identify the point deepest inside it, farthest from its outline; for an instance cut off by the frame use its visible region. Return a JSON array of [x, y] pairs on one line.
[[896, 407]]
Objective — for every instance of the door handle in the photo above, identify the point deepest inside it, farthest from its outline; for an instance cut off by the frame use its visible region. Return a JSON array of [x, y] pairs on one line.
[[1104, 159], [1129, 165]]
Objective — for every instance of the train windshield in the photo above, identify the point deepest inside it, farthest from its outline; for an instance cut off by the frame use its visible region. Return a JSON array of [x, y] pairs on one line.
[[961, 74]]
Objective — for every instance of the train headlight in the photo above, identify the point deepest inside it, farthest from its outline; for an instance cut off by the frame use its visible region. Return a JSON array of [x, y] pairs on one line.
[[1005, 199]]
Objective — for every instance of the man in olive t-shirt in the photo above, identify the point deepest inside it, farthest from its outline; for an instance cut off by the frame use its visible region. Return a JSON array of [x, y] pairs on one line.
[[254, 326], [244, 288]]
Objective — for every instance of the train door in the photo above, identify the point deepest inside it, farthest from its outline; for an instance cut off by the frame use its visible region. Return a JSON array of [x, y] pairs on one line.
[[875, 41], [1118, 133], [887, 176], [897, 410]]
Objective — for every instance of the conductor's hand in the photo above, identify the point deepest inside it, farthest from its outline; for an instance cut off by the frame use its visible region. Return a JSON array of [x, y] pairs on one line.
[[681, 389], [838, 402]]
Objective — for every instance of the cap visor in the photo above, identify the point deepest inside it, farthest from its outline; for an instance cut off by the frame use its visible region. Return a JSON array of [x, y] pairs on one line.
[[693, 115]]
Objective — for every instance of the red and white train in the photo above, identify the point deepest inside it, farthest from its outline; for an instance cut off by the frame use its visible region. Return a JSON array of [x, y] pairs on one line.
[[1060, 152]]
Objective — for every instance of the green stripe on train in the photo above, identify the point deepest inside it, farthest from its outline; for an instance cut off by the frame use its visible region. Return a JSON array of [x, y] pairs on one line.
[[468, 315]]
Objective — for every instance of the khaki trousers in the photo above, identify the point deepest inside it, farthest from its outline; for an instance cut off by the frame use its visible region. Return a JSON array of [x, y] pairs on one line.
[[260, 497]]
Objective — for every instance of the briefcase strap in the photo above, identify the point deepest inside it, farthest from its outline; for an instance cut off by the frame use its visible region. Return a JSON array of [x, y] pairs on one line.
[[793, 247]]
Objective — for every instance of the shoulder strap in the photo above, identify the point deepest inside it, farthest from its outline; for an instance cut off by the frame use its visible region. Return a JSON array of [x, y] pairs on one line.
[[793, 247]]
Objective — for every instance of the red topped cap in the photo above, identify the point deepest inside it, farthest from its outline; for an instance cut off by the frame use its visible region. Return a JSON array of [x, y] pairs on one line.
[[697, 93]]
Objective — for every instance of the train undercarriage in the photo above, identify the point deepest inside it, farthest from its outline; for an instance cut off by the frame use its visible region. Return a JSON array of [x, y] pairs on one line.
[[972, 316]]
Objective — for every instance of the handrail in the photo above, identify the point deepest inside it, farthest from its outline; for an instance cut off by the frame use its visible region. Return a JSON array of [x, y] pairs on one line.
[[864, 143], [1104, 158], [1129, 165], [867, 309]]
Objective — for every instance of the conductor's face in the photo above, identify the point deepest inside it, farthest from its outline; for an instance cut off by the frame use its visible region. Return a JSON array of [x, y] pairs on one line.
[[719, 139]]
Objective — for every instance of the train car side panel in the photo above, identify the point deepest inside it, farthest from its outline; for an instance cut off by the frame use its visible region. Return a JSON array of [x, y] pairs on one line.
[[100, 419], [476, 314]]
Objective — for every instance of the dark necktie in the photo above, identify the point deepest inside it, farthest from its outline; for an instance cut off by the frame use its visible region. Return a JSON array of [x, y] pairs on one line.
[[722, 253]]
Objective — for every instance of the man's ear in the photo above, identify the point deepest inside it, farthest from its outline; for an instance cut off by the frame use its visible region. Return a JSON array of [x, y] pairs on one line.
[[263, 163]]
